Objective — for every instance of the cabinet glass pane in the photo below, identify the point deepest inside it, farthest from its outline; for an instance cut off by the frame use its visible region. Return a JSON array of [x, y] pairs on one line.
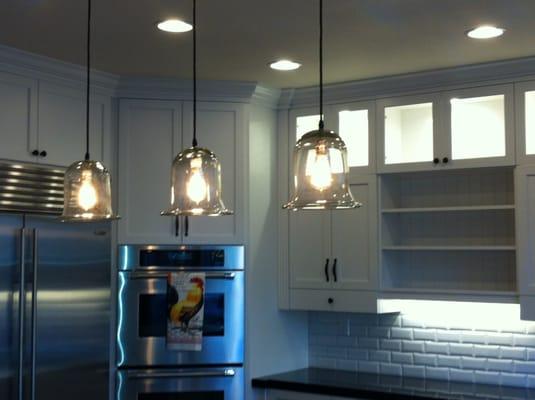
[[305, 124], [409, 133], [354, 131], [530, 122], [478, 127]]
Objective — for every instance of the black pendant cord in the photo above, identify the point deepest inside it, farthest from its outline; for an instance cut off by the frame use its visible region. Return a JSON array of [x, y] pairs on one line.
[[194, 75], [321, 64], [88, 82]]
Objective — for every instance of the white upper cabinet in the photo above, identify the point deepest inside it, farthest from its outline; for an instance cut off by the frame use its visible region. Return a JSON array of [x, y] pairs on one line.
[[407, 128], [525, 122], [480, 127], [221, 128], [61, 125], [454, 129], [150, 135], [18, 117]]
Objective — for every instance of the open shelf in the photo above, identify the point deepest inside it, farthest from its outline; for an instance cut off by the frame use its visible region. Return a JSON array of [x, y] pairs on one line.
[[448, 233], [448, 209], [449, 248]]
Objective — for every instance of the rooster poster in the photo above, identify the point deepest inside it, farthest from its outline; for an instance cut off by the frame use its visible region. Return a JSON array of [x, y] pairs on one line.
[[185, 310]]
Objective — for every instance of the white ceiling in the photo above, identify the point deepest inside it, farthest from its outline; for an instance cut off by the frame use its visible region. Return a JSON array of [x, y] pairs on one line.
[[237, 38]]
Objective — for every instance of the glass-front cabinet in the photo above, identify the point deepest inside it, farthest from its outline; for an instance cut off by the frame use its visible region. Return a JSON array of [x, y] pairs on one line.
[[525, 122], [453, 129]]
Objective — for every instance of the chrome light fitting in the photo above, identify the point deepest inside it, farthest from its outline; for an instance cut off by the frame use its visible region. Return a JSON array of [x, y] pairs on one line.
[[320, 162], [196, 171], [87, 183]]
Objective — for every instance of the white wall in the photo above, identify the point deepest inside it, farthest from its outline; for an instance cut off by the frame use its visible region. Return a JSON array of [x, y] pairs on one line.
[[277, 341]]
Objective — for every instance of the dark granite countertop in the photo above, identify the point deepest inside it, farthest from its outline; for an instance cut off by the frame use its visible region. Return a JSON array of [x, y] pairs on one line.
[[374, 387]]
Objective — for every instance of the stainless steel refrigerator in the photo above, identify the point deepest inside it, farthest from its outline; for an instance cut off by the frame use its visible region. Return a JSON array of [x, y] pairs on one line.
[[54, 307]]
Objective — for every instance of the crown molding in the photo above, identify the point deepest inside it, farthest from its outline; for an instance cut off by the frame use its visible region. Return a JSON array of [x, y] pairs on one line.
[[181, 89], [266, 97], [507, 71], [21, 62]]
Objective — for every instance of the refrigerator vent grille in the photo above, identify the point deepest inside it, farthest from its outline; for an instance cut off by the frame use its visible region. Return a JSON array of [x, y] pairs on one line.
[[31, 188]]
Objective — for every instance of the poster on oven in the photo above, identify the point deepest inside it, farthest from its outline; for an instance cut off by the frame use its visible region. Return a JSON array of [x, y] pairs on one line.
[[185, 310]]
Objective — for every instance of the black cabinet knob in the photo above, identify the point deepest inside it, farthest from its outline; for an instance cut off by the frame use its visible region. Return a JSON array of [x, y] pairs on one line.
[[43, 153], [330, 300], [445, 160], [436, 161], [35, 153]]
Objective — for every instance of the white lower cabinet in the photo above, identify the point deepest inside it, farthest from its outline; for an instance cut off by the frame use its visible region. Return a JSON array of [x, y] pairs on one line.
[[151, 134], [525, 231], [333, 255]]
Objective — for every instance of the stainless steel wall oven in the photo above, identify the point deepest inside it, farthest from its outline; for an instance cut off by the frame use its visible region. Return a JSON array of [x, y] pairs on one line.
[[148, 370]]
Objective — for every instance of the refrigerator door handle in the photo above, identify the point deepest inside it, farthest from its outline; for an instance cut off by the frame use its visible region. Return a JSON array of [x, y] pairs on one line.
[[34, 311], [22, 307]]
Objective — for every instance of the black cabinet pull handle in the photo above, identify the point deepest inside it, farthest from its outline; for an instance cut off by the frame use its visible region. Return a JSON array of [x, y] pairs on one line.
[[330, 300], [43, 153], [35, 153], [445, 160], [177, 225], [436, 160], [187, 226], [327, 270], [334, 270]]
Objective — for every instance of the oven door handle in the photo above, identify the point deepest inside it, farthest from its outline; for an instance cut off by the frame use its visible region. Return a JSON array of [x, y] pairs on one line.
[[227, 372], [163, 275]]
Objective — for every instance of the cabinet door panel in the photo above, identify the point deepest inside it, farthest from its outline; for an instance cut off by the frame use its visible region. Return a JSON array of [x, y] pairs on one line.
[[309, 250], [149, 136], [525, 232], [354, 239], [18, 117], [220, 128]]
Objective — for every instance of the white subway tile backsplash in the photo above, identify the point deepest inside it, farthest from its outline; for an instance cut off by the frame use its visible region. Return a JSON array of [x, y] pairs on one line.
[[402, 346], [401, 333]]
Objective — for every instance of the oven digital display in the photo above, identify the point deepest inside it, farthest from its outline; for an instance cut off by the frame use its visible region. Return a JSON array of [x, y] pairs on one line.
[[182, 258], [216, 395], [153, 315]]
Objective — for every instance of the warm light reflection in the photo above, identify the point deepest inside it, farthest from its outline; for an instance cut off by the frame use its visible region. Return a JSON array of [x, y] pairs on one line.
[[87, 194], [319, 168], [196, 188]]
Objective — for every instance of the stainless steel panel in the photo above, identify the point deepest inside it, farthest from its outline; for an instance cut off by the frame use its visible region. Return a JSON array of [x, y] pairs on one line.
[[223, 383], [129, 256], [31, 188], [135, 350], [71, 313], [11, 308]]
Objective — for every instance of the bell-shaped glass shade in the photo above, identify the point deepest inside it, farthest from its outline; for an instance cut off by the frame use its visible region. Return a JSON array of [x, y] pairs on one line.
[[87, 192], [320, 173], [196, 184]]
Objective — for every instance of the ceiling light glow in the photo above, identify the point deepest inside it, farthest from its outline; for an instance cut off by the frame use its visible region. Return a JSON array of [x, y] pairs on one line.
[[174, 26], [485, 32], [284, 65]]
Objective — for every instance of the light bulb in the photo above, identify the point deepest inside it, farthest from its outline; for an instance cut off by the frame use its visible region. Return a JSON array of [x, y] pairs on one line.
[[196, 187], [87, 195], [320, 169]]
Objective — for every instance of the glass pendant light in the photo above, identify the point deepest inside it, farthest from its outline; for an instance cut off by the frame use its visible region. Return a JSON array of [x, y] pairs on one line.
[[87, 185], [320, 162], [196, 171]]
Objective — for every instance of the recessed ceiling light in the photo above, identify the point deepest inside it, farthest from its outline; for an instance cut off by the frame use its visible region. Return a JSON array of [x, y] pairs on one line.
[[174, 26], [485, 32], [284, 65]]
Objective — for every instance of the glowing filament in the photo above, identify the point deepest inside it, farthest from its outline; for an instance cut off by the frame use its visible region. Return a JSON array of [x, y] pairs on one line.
[[320, 169], [87, 194], [196, 188]]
